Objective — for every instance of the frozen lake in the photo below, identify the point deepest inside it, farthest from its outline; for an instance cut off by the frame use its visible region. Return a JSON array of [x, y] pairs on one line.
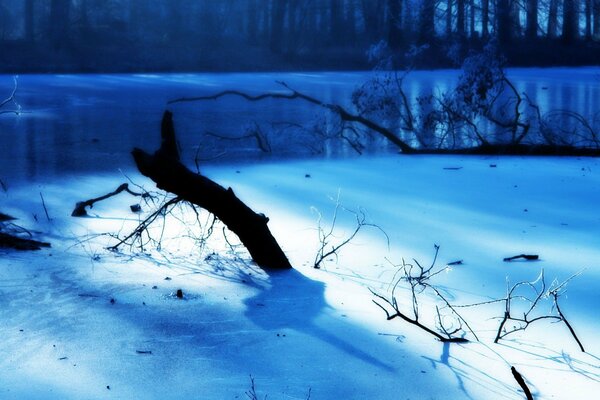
[[89, 123]]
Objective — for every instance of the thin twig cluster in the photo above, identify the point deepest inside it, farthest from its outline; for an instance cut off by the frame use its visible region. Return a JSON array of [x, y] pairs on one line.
[[330, 244], [536, 292], [418, 279]]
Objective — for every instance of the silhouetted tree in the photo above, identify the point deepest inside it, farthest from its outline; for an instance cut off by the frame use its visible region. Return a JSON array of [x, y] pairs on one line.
[[588, 19], [532, 19], [570, 21], [485, 18], [552, 30], [395, 23], [460, 18], [472, 18], [596, 13], [427, 21], [503, 22]]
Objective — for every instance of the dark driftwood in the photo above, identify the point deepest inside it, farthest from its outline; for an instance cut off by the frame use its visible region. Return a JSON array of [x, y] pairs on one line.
[[165, 168], [519, 378], [526, 257], [18, 243]]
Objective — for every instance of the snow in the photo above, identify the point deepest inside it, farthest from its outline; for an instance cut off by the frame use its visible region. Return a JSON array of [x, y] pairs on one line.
[[63, 338]]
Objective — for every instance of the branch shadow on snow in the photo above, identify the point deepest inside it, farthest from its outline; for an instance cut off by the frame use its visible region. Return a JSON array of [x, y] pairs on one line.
[[585, 364], [293, 301], [465, 373]]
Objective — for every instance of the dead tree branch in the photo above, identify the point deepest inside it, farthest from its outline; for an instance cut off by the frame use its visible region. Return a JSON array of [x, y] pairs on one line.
[[80, 210], [136, 235], [166, 170], [519, 378], [329, 244], [527, 257], [418, 280], [529, 315], [293, 94], [256, 133]]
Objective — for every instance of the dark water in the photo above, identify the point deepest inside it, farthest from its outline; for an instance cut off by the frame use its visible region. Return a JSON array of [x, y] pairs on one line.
[[89, 123]]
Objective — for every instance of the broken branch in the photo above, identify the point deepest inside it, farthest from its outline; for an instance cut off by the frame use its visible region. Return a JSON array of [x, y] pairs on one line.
[[80, 210], [341, 112]]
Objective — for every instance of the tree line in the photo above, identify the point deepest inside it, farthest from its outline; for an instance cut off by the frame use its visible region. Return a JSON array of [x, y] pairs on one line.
[[255, 34]]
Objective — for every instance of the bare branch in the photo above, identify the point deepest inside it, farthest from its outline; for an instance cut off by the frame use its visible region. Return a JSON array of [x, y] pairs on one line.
[[80, 210], [519, 378], [292, 94]]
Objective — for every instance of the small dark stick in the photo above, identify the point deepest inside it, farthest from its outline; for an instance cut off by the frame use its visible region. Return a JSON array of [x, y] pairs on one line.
[[519, 378], [528, 257], [6, 217], [44, 205]]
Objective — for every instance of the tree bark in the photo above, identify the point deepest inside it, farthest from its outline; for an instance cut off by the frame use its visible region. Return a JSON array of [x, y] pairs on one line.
[[532, 19], [503, 21], [485, 18], [460, 18], [552, 19], [588, 19], [570, 21], [165, 168], [427, 21]]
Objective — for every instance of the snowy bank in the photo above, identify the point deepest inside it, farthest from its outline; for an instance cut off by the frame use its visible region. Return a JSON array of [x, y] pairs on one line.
[[79, 322]]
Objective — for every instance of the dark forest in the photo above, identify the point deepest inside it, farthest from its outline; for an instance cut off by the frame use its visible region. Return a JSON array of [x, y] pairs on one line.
[[251, 35]]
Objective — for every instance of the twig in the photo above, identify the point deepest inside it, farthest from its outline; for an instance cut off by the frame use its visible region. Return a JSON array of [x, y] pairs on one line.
[[44, 205], [413, 321], [519, 378], [524, 321], [418, 279], [143, 226], [562, 316], [528, 257], [80, 210], [326, 248]]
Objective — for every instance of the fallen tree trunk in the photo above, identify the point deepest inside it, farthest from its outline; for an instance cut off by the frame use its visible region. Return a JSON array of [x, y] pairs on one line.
[[484, 148], [165, 168]]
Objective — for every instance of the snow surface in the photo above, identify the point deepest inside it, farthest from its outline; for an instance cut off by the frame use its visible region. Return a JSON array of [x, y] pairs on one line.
[[305, 329]]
